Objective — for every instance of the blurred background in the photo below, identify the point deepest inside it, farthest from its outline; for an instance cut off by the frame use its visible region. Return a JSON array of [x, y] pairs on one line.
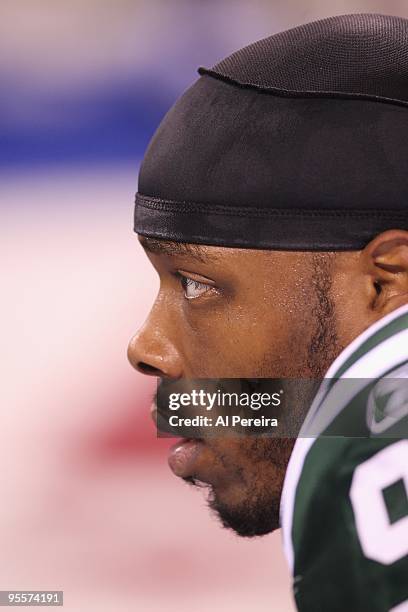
[[88, 503]]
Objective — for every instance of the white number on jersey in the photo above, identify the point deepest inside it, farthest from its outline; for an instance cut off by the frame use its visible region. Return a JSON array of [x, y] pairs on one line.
[[380, 540]]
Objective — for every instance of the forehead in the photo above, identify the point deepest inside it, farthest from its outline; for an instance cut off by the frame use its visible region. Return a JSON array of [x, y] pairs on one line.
[[201, 253], [239, 260]]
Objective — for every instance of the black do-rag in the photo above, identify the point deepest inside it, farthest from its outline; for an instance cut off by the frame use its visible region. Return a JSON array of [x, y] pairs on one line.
[[296, 142]]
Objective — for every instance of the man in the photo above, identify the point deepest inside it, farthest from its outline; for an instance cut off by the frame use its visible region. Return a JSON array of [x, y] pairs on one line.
[[273, 203]]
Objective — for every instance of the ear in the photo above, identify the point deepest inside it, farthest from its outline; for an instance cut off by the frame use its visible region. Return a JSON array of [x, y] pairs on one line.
[[386, 260]]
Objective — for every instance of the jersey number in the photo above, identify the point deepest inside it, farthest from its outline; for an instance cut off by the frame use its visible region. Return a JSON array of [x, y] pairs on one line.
[[380, 540]]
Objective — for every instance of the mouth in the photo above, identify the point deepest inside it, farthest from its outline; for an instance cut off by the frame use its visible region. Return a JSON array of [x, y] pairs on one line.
[[183, 457]]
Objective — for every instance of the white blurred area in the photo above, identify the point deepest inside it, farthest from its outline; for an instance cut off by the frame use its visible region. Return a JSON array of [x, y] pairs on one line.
[[88, 503]]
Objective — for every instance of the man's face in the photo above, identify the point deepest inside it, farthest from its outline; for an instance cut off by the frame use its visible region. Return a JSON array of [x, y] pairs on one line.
[[238, 313]]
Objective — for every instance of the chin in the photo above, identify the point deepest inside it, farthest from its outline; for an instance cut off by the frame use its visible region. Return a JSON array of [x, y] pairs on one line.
[[252, 516]]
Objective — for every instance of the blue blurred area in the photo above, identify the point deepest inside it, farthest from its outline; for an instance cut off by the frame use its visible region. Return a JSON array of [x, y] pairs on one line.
[[88, 82], [110, 123]]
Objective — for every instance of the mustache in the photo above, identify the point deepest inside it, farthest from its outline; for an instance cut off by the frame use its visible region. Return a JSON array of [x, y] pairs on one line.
[[194, 405], [197, 402]]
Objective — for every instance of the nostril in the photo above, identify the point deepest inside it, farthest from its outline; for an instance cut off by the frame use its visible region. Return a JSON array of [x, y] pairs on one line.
[[147, 369]]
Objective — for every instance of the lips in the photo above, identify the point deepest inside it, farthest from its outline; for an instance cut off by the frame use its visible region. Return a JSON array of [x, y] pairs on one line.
[[183, 456]]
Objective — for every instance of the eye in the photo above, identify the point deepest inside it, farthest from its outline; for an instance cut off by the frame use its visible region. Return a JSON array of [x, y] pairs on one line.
[[193, 288]]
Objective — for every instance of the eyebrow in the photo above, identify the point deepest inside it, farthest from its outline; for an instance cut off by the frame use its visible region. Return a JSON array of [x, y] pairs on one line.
[[171, 248]]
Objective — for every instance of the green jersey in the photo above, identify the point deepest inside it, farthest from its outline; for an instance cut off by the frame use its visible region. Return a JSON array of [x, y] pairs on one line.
[[344, 509]]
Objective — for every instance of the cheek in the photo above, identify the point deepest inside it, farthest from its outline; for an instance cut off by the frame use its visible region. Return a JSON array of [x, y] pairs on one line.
[[210, 347], [353, 312], [237, 342]]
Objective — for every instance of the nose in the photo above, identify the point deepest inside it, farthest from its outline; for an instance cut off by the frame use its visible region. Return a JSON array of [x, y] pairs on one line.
[[151, 350]]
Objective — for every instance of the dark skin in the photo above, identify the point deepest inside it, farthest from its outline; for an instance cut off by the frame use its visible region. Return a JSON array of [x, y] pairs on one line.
[[247, 313]]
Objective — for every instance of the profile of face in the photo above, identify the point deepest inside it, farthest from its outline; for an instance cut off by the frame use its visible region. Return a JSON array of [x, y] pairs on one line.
[[246, 313]]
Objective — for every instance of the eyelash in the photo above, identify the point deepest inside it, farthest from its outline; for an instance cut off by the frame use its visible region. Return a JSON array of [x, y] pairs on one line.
[[187, 282]]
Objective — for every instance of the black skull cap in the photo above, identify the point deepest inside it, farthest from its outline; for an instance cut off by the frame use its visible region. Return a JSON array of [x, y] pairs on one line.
[[296, 142]]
